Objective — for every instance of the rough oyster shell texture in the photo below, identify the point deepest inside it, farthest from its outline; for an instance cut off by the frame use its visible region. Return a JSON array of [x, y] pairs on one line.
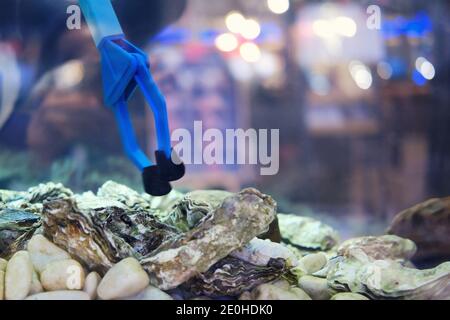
[[238, 220], [428, 225], [306, 235], [388, 279], [231, 277], [101, 236], [380, 248], [189, 210], [20, 214]]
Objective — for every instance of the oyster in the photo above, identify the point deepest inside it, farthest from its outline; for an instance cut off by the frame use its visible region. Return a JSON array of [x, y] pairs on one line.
[[388, 279], [135, 201], [380, 248], [47, 192], [8, 196], [193, 207], [16, 228], [428, 225], [306, 234], [31, 200], [232, 276], [100, 232], [259, 252], [239, 219]]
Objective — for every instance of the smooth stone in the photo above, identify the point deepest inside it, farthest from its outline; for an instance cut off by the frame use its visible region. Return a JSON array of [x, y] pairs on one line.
[[349, 296], [125, 279], [18, 276], [151, 293], [42, 252], [246, 295], [3, 264], [91, 284], [271, 292], [2, 285], [63, 275], [36, 286], [60, 295], [316, 288], [312, 263], [283, 284]]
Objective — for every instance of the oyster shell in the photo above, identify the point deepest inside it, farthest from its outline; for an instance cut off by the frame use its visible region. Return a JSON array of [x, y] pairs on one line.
[[159, 206], [259, 252], [16, 228], [188, 211], [100, 232], [380, 248], [239, 219], [428, 225], [388, 279], [31, 200], [306, 234], [232, 276]]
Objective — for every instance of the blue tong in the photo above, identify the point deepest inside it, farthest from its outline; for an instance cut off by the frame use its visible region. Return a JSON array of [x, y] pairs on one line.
[[124, 68]]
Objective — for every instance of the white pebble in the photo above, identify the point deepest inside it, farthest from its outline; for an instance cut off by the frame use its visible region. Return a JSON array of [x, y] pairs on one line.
[[18, 277], [2, 285], [36, 286], [60, 295], [91, 284], [316, 288], [125, 279], [3, 264], [312, 263], [42, 252], [63, 275], [151, 293]]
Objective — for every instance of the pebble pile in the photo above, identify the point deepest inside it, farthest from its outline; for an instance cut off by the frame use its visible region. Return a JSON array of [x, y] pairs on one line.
[[46, 272]]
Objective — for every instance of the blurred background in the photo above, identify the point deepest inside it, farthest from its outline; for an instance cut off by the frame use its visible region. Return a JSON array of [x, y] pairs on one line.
[[359, 90]]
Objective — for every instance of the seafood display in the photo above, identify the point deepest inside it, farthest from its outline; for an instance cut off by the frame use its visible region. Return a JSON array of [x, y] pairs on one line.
[[120, 244]]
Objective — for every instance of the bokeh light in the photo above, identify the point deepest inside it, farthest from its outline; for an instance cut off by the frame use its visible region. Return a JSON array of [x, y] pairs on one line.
[[250, 52], [227, 42], [426, 68], [384, 70], [361, 75], [251, 29], [278, 6], [234, 21]]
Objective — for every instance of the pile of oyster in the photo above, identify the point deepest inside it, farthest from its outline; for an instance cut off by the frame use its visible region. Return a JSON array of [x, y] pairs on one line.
[[119, 244]]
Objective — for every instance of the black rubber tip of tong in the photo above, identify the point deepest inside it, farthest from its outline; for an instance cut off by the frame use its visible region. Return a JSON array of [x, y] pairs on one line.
[[172, 169], [154, 184]]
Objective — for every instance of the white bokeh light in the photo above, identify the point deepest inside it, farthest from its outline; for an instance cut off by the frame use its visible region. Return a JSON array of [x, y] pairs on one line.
[[227, 42], [278, 6], [251, 29], [250, 52], [345, 26], [426, 68], [235, 21], [361, 75]]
